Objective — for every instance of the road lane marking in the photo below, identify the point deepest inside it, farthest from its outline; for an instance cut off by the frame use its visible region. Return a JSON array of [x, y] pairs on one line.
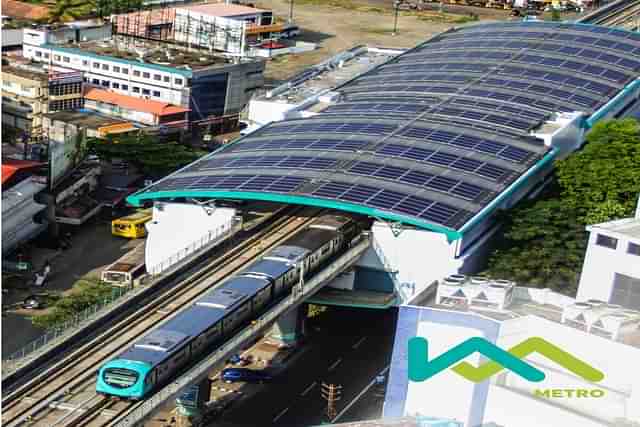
[[360, 341], [336, 363], [364, 390], [284, 411], [308, 389]]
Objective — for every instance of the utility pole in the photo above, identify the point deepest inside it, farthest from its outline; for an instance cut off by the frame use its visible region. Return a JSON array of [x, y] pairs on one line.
[[331, 393], [396, 5], [290, 11]]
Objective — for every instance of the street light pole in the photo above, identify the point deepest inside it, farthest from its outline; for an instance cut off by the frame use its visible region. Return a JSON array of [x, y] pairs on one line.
[[396, 4], [291, 11]]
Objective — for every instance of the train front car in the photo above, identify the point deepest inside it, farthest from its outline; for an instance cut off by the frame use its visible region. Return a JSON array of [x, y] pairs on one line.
[[123, 378]]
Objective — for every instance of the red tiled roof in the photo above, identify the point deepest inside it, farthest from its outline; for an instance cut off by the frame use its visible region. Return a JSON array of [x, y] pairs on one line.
[[11, 166], [18, 9], [133, 103]]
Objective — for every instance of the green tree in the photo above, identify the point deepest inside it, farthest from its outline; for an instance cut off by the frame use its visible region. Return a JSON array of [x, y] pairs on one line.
[[67, 10], [555, 15], [602, 181], [545, 240], [141, 150]]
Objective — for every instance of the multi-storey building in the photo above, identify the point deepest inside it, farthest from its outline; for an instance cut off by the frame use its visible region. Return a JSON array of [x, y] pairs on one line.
[[29, 92], [209, 85]]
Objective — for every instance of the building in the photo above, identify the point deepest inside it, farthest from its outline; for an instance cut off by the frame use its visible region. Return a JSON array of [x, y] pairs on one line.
[[23, 213], [611, 270], [402, 422], [142, 111], [224, 27], [604, 336], [210, 86], [433, 143], [29, 91], [65, 33]]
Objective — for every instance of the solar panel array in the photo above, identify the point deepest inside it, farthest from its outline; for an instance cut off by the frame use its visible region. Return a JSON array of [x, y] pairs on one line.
[[436, 133]]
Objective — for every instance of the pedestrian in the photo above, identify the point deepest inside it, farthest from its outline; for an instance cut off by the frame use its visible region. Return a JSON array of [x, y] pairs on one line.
[[47, 268]]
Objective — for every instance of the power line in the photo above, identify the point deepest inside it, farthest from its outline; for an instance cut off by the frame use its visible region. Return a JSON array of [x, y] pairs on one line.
[[331, 393]]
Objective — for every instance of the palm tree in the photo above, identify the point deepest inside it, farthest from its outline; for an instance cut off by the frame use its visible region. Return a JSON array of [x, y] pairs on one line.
[[66, 10]]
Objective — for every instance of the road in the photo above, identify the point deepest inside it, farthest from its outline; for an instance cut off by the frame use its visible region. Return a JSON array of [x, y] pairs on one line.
[[349, 349]]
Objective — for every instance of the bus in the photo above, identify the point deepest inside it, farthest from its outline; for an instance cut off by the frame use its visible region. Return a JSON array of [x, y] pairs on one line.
[[131, 226], [126, 269]]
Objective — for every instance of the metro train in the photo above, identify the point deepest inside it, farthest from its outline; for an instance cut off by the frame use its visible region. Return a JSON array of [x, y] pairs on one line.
[[158, 356]]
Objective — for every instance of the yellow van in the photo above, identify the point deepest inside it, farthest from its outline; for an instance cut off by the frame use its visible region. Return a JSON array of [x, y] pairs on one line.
[[131, 226]]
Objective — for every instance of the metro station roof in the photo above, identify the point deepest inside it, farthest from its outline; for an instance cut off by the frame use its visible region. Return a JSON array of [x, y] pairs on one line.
[[432, 136]]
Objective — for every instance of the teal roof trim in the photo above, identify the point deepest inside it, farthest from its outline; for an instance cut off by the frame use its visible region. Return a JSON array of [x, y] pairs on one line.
[[551, 155], [185, 73], [138, 198], [622, 96]]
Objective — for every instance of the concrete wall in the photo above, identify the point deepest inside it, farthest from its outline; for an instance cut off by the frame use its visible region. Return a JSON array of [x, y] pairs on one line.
[[507, 399], [602, 263], [243, 79], [265, 111], [11, 38], [176, 226]]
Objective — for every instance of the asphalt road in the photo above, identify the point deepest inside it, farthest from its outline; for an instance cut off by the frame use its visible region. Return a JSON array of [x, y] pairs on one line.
[[348, 347]]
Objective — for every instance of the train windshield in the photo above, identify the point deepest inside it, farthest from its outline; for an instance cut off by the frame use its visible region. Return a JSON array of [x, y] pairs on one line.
[[121, 378]]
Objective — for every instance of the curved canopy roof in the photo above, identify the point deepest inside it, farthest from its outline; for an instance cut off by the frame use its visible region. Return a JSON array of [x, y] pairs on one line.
[[430, 137]]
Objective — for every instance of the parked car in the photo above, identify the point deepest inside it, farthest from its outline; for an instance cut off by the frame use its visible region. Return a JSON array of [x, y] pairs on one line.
[[231, 375], [32, 302]]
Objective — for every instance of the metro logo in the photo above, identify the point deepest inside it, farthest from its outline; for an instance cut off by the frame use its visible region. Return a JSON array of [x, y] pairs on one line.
[[421, 368]]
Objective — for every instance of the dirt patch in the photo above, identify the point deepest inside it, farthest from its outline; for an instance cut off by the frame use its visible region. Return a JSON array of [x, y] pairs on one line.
[[337, 25]]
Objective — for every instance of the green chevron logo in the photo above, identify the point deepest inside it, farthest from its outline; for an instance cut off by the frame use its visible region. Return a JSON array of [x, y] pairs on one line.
[[421, 368]]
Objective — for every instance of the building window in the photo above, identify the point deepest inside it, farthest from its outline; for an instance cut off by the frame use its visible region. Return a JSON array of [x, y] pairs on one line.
[[116, 69], [115, 85], [66, 59], [96, 65], [105, 67], [633, 249], [146, 91], [136, 73], [136, 89], [125, 87], [157, 77], [626, 291], [105, 83], [146, 75], [178, 81], [167, 79], [56, 57], [46, 55], [85, 62], [125, 71], [95, 81], [38, 54], [156, 93], [606, 241]]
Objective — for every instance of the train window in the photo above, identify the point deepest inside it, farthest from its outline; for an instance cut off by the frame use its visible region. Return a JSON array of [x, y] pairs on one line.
[[120, 378]]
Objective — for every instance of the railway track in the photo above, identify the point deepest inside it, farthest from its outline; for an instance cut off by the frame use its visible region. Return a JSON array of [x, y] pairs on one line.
[[64, 394], [613, 14]]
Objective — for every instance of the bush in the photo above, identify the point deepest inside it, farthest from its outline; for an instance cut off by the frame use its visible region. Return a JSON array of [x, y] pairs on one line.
[[86, 293]]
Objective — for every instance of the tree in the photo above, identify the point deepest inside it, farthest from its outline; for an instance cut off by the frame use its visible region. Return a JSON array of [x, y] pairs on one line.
[[545, 240], [67, 10], [144, 152], [602, 181]]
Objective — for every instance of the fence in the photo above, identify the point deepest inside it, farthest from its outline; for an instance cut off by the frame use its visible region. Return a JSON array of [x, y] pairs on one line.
[[200, 370], [59, 333], [211, 238]]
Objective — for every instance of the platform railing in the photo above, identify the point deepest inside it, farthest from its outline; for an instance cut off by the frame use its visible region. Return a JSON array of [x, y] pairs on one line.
[[200, 371], [211, 238]]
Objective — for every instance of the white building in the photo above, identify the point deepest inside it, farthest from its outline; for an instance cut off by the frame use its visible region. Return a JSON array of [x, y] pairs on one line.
[[209, 85], [611, 270], [601, 335]]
